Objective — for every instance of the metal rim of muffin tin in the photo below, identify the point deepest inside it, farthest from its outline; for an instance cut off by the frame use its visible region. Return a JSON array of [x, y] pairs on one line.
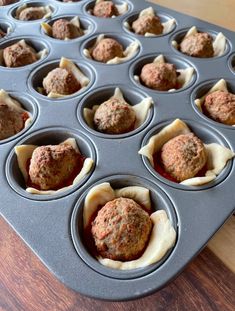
[[48, 224]]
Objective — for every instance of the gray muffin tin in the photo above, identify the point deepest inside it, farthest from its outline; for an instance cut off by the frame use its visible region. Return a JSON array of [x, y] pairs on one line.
[[51, 225]]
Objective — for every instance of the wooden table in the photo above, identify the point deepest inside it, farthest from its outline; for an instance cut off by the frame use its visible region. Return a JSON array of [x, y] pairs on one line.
[[207, 284]]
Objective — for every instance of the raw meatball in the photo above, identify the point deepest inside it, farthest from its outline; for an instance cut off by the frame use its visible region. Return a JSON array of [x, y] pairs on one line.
[[61, 81], [198, 45], [105, 9], [150, 24], [51, 166], [106, 50], [121, 230], [161, 77], [11, 121], [220, 106], [63, 29], [18, 55], [6, 2], [114, 117], [30, 14], [2, 34], [183, 156]]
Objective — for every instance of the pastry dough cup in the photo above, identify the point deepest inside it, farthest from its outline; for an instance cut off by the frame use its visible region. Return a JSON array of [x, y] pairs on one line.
[[147, 194], [217, 154], [122, 7], [46, 8], [167, 22]]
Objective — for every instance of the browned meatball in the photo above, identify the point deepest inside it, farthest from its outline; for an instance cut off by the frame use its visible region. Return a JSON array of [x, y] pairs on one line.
[[220, 106], [150, 24], [121, 230], [11, 121], [183, 156], [63, 29], [2, 34], [50, 166], [61, 81], [6, 2], [18, 55], [105, 9], [114, 117], [198, 45], [161, 77], [30, 14], [106, 50]]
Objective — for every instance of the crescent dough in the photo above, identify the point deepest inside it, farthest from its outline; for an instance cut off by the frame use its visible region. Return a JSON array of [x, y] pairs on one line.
[[129, 52], [163, 234], [121, 8], [219, 43], [217, 155], [141, 110], [14, 104], [184, 75], [167, 26], [77, 73], [24, 153]]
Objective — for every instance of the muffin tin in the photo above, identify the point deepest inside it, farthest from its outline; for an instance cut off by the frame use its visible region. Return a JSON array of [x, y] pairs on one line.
[[51, 225]]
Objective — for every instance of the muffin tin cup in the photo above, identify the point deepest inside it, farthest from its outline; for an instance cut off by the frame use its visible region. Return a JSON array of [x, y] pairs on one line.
[[159, 200], [35, 42], [86, 24], [36, 77], [5, 25], [12, 12], [208, 135], [178, 37], [163, 18], [132, 95], [48, 136], [231, 63], [179, 62], [29, 104], [201, 90]]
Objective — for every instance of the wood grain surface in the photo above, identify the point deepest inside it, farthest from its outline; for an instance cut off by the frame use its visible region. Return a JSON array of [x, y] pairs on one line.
[[208, 284]]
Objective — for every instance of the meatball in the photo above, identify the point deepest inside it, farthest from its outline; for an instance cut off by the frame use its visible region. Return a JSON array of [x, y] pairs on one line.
[[220, 106], [2, 34], [105, 9], [106, 50], [121, 230], [183, 156], [114, 117], [63, 29], [30, 14], [11, 121], [18, 55], [150, 24], [6, 2], [161, 77], [51, 166], [198, 45], [61, 81]]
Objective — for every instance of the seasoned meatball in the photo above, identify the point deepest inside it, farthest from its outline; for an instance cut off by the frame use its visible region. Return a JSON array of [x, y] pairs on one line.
[[6, 2], [11, 121], [61, 81], [106, 50], [50, 166], [220, 106], [30, 14], [150, 24], [105, 9], [63, 29], [2, 34], [114, 117], [183, 156], [121, 230], [198, 45], [18, 55], [161, 77]]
